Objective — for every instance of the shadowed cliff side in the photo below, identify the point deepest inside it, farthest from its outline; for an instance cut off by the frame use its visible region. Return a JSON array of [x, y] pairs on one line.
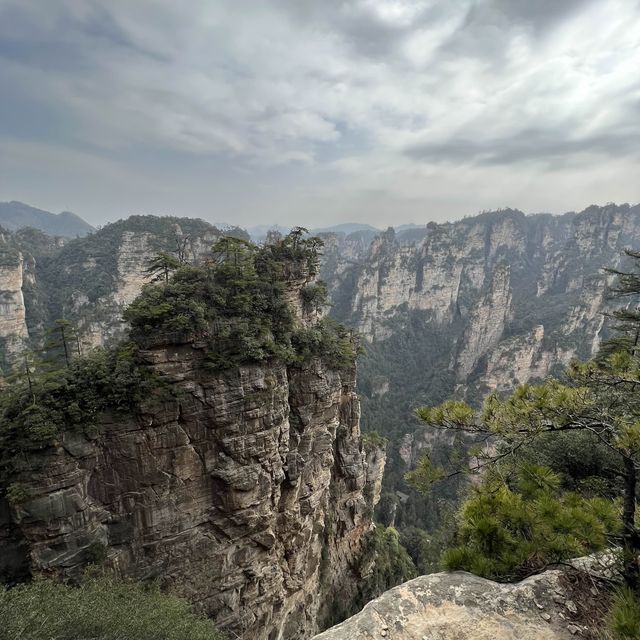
[[244, 488]]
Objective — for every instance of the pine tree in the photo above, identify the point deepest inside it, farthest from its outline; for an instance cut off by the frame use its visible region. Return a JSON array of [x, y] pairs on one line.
[[161, 266], [63, 339], [599, 398]]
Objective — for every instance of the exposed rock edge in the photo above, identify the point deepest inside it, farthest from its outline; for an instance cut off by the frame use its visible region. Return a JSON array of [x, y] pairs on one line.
[[461, 606]]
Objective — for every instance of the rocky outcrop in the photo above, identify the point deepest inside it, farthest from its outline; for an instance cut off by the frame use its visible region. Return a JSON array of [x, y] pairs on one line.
[[487, 322], [461, 606], [13, 325], [249, 492], [495, 286]]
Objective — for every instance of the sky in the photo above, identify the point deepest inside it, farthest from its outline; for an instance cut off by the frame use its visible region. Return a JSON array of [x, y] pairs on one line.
[[317, 112]]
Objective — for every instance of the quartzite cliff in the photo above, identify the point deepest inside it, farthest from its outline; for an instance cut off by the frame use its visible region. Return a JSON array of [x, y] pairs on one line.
[[244, 491]]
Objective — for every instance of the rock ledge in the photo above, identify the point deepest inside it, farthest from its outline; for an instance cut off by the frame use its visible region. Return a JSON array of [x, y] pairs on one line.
[[461, 606]]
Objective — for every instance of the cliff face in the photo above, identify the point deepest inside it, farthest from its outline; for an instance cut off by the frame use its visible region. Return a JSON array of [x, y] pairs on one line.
[[15, 271], [515, 296], [464, 308], [13, 326], [249, 492]]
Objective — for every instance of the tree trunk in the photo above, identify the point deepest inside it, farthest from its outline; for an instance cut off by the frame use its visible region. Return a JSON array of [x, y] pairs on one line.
[[631, 539], [65, 346]]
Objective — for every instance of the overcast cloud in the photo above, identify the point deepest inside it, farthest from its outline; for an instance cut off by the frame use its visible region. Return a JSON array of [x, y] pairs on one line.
[[318, 112]]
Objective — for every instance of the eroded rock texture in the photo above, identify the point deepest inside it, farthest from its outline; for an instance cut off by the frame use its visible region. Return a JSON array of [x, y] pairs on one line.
[[248, 492], [13, 325], [506, 298], [461, 606]]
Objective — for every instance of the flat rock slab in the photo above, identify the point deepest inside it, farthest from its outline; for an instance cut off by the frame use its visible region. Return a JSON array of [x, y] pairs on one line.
[[461, 606]]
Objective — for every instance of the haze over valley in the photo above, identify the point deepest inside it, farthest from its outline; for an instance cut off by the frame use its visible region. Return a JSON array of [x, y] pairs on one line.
[[320, 320]]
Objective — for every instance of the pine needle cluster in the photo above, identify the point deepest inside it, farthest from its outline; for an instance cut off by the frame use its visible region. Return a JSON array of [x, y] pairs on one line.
[[519, 521]]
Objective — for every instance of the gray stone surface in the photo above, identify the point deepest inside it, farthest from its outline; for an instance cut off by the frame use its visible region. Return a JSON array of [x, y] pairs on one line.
[[461, 606], [227, 489]]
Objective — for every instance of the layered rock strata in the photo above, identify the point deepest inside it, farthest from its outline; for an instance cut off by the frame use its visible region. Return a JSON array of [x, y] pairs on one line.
[[515, 296], [249, 492], [13, 324]]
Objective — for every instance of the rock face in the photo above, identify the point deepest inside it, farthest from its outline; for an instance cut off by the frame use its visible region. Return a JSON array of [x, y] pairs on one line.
[[249, 492], [461, 606], [464, 308], [13, 325], [514, 296]]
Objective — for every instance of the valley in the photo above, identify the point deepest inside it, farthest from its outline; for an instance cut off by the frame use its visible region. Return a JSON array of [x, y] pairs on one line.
[[453, 310]]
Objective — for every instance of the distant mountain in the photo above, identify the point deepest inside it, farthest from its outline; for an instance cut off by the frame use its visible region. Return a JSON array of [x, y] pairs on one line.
[[259, 232], [363, 232], [346, 228], [16, 215], [408, 227]]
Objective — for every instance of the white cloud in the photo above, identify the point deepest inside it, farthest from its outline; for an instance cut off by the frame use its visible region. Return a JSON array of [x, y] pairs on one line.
[[410, 97]]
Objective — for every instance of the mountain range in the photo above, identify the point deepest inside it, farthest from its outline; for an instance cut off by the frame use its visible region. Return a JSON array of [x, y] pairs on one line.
[[444, 310]]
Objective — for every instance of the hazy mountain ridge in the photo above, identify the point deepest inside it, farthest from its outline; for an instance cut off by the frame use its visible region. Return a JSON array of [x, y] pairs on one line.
[[17, 215]]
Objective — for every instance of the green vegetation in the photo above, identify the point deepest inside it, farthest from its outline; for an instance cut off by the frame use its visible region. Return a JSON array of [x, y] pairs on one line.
[[102, 608], [391, 563], [315, 297], [38, 406], [161, 266], [87, 268], [373, 440], [598, 399], [523, 516], [511, 527], [17, 493], [333, 342], [90, 265], [384, 563], [413, 365], [236, 304], [623, 621], [425, 548]]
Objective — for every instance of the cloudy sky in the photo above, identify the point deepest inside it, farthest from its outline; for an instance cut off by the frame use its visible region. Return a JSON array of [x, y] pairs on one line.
[[319, 111]]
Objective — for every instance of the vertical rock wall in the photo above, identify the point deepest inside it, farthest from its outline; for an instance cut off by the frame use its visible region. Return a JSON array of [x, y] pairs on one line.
[[248, 492], [515, 296], [13, 325]]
